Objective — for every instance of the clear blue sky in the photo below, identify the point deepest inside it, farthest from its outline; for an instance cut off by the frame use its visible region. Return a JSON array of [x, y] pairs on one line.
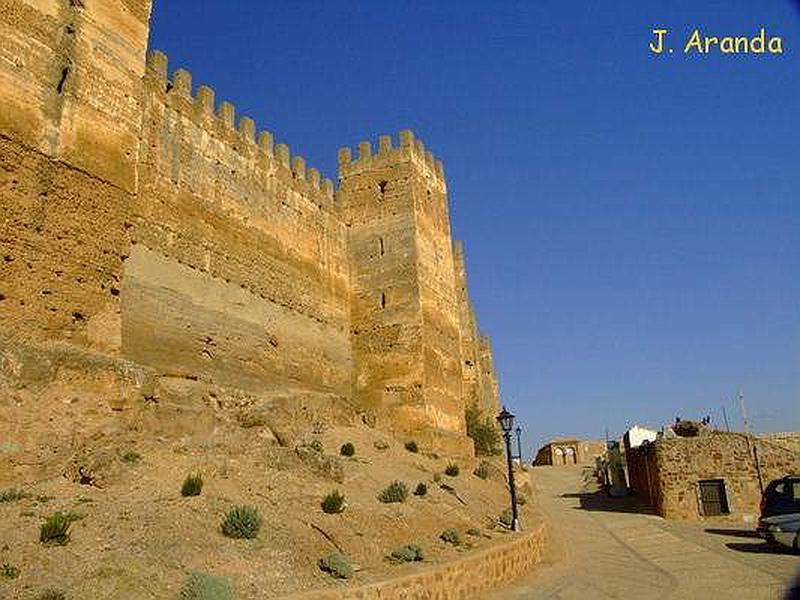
[[632, 221]]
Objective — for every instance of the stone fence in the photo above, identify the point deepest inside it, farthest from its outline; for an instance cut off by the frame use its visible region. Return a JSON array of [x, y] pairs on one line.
[[461, 578]]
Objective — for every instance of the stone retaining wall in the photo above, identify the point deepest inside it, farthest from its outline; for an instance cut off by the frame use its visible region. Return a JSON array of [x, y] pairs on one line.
[[461, 578]]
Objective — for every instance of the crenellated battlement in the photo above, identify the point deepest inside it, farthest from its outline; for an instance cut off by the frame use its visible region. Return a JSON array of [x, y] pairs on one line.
[[409, 149], [220, 121]]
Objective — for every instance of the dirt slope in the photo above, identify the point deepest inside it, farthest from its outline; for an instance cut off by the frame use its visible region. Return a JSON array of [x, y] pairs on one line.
[[120, 466]]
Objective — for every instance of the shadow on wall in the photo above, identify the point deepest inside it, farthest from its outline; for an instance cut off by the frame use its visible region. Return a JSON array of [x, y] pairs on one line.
[[601, 501]]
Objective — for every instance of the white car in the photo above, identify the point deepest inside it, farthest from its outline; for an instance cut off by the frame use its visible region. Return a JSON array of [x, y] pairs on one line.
[[783, 530]]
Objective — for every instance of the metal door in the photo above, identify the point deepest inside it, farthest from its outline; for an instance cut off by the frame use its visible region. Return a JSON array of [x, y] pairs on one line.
[[713, 498]]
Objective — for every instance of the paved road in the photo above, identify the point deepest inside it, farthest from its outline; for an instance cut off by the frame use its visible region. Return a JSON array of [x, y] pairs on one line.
[[608, 548]]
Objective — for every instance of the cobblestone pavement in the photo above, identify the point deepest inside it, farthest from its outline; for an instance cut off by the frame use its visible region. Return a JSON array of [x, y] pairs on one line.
[[609, 548]]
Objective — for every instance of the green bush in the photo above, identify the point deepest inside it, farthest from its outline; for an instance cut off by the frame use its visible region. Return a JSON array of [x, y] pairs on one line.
[[333, 503], [411, 446], [316, 446], [452, 470], [131, 457], [9, 571], [482, 470], [451, 536], [192, 485], [522, 500], [507, 517], [347, 449], [437, 477], [395, 492], [52, 594], [474, 532], [55, 530], [242, 522], [337, 565], [421, 489], [408, 553], [201, 586], [12, 495], [483, 431]]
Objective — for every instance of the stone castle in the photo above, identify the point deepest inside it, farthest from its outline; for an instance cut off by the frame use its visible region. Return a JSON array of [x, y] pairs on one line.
[[144, 225]]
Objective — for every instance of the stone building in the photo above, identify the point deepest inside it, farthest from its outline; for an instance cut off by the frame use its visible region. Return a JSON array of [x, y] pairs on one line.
[[712, 474], [567, 451], [148, 228], [635, 471]]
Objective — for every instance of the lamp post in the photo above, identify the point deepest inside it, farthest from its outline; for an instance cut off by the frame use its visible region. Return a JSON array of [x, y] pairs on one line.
[[506, 420]]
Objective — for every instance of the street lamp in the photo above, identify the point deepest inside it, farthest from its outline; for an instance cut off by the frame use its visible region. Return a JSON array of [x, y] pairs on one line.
[[506, 420]]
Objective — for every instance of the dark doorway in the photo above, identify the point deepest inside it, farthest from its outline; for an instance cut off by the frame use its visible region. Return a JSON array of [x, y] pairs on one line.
[[713, 498]]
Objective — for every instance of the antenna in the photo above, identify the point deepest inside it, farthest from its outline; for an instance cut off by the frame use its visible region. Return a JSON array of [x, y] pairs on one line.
[[725, 418], [751, 440], [743, 410]]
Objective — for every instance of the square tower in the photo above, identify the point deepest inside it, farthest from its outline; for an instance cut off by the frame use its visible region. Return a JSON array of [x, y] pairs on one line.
[[404, 306]]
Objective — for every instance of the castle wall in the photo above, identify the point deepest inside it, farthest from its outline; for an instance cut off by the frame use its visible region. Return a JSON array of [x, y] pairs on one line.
[[69, 125], [142, 220], [489, 381], [70, 79], [479, 380], [471, 374], [239, 271]]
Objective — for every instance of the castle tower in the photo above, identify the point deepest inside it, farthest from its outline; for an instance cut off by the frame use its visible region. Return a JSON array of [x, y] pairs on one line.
[[404, 308], [70, 121], [481, 387], [71, 73]]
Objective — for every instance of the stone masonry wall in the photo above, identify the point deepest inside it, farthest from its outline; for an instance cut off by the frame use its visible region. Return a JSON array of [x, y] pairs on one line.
[[567, 451], [643, 472], [489, 390], [70, 114], [439, 303], [479, 381], [239, 270], [681, 462], [406, 326], [466, 578], [386, 325], [142, 221]]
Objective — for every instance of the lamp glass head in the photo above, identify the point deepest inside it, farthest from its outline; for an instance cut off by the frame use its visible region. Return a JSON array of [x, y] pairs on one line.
[[506, 420]]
